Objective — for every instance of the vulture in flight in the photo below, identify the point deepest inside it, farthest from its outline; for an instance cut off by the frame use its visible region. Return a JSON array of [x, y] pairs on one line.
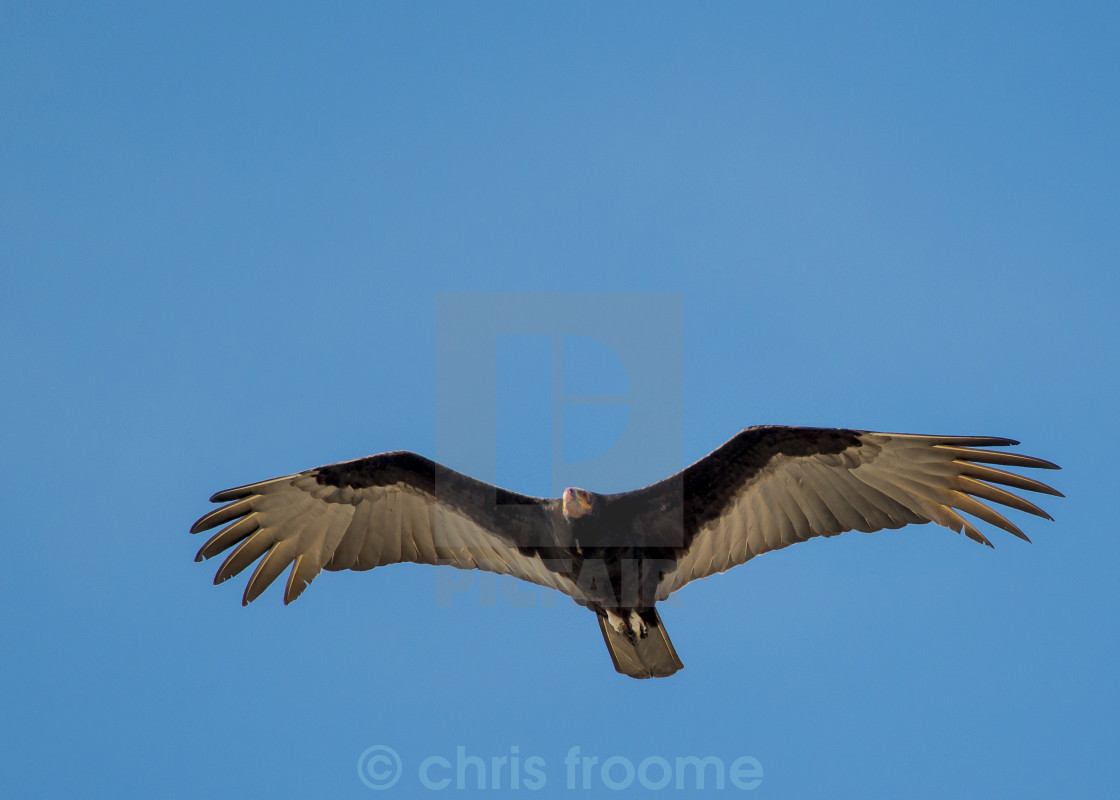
[[617, 554]]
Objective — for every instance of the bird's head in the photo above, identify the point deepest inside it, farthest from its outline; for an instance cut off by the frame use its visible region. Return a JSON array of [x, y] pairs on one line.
[[577, 503]]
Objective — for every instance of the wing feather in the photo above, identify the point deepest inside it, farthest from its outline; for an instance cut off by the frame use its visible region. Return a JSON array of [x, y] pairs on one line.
[[816, 509], [993, 475], [378, 550], [833, 481], [955, 522], [244, 554], [740, 549], [350, 546], [229, 536], [795, 525], [768, 525], [996, 457], [222, 515], [307, 566], [971, 505], [275, 561], [996, 495]]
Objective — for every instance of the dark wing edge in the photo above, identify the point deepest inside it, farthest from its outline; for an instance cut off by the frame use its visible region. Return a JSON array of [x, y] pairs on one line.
[[384, 509], [773, 486]]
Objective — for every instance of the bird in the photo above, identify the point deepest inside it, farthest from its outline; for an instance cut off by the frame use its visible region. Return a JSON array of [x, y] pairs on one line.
[[619, 554]]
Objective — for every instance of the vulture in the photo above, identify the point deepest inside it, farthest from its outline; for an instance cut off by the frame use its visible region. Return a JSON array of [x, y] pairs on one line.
[[617, 554]]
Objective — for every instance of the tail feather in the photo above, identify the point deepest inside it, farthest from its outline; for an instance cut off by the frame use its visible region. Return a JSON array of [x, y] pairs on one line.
[[648, 656]]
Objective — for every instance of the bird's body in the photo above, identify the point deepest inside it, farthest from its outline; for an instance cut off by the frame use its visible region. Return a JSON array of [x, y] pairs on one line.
[[766, 488]]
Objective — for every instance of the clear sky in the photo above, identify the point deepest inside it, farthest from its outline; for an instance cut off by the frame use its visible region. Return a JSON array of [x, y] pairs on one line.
[[223, 229]]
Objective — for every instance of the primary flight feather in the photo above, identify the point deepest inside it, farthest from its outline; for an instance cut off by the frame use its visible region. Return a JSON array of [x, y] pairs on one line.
[[617, 554]]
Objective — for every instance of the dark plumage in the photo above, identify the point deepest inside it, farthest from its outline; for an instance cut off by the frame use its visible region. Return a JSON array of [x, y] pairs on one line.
[[766, 488]]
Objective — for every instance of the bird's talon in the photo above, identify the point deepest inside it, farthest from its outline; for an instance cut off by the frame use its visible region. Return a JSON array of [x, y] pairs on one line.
[[638, 625]]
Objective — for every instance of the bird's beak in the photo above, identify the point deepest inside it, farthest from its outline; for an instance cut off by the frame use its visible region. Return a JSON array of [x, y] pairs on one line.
[[576, 504]]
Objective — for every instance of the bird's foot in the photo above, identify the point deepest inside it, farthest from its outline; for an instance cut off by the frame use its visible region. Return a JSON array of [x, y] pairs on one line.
[[633, 627], [638, 625], [617, 622]]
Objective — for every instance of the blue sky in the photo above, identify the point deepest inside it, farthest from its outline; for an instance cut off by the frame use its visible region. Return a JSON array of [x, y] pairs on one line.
[[223, 228]]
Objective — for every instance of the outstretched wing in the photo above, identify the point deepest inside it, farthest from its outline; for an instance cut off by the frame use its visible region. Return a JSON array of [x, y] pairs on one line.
[[385, 509], [770, 487]]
